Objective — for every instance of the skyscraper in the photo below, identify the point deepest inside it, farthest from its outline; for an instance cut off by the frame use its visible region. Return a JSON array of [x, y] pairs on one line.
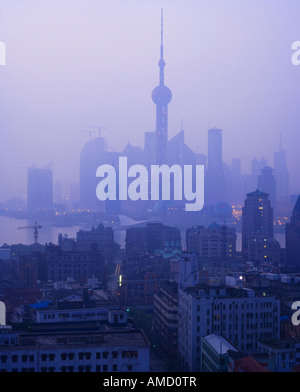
[[161, 96], [214, 178], [266, 183], [257, 218], [39, 189], [281, 173], [292, 232]]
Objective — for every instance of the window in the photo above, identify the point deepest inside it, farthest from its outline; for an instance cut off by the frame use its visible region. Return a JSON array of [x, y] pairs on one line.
[[51, 357], [115, 354], [105, 354], [80, 356], [105, 368], [115, 368]]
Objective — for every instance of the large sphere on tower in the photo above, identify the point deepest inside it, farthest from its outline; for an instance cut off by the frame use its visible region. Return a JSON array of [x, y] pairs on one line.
[[161, 95]]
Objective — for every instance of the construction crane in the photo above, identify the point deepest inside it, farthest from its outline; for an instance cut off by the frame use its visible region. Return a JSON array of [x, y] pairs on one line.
[[91, 133], [36, 228], [99, 128]]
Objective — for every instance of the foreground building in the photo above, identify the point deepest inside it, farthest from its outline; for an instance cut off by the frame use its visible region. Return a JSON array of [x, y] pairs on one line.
[[238, 314], [111, 350]]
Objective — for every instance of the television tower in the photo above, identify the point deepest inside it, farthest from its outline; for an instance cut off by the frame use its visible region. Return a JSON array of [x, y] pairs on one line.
[[161, 96]]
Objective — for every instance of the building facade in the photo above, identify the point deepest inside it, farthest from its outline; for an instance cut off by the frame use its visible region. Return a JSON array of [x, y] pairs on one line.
[[235, 313]]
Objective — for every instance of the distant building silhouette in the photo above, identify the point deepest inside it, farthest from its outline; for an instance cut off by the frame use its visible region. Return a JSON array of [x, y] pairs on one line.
[[236, 181], [217, 242], [257, 218], [281, 173], [39, 189], [214, 178], [93, 154], [266, 183], [292, 232]]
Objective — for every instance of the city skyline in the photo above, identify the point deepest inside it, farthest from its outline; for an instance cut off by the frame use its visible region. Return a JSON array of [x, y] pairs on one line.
[[213, 98]]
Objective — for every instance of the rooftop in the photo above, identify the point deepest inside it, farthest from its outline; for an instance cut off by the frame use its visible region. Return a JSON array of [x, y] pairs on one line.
[[219, 343]]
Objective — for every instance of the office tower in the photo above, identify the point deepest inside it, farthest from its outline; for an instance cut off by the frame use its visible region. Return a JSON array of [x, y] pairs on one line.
[[178, 152], [161, 96], [217, 242], [236, 181], [93, 154], [39, 189], [256, 166], [281, 173], [292, 233], [57, 192], [214, 177], [257, 217], [263, 249], [150, 148], [146, 239], [250, 181], [267, 184]]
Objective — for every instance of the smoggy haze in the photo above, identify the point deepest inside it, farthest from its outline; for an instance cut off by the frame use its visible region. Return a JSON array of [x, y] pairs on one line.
[[75, 63]]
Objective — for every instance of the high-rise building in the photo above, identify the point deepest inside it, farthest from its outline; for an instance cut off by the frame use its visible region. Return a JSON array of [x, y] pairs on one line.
[[266, 183], [236, 181], [146, 239], [39, 189], [218, 242], [237, 314], [263, 249], [281, 173], [257, 217], [214, 177], [161, 96], [292, 232], [93, 154]]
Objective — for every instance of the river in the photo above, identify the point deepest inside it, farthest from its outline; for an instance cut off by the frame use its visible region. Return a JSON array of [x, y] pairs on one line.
[[10, 234]]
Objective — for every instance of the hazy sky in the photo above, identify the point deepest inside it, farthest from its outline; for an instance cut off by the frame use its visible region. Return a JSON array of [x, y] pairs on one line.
[[73, 63]]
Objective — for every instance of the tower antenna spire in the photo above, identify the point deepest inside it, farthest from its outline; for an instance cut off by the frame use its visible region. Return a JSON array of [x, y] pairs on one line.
[[162, 35]]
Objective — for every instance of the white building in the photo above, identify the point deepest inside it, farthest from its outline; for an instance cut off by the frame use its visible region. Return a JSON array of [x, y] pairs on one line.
[[92, 351], [235, 313]]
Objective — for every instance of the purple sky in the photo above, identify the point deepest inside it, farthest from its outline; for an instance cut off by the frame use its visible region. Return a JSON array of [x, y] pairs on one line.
[[73, 63]]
